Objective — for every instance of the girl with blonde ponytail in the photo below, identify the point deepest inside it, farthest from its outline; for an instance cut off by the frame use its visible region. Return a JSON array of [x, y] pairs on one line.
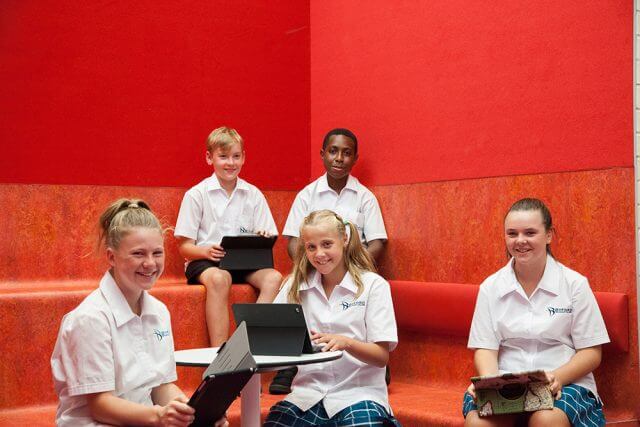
[[348, 307], [113, 360]]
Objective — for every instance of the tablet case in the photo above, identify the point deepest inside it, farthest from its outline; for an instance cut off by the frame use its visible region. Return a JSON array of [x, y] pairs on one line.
[[223, 380], [247, 252], [275, 329], [512, 393]]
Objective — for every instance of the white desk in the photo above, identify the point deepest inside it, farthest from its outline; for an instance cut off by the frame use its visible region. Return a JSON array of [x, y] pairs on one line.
[[250, 397]]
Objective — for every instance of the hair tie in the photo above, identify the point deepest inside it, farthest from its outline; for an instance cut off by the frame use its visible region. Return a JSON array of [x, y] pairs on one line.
[[345, 221]]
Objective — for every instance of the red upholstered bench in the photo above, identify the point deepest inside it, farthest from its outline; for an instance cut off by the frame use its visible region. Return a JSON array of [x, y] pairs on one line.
[[431, 365], [430, 368]]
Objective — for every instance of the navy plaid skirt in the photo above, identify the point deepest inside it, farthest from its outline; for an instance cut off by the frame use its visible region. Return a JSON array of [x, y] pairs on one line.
[[580, 405], [365, 413]]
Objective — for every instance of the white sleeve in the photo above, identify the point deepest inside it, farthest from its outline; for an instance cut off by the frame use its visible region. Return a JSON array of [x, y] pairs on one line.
[[380, 318], [263, 218], [297, 213], [482, 334], [587, 327], [189, 217], [86, 354], [373, 223]]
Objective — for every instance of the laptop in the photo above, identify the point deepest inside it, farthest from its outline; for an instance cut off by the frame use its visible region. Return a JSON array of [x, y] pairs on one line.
[[223, 380], [275, 329], [247, 252]]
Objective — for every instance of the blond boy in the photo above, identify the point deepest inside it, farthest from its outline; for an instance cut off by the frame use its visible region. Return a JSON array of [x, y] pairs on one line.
[[222, 205]]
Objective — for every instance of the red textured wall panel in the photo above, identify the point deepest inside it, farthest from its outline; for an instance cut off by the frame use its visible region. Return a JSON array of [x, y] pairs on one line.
[[125, 93], [456, 89]]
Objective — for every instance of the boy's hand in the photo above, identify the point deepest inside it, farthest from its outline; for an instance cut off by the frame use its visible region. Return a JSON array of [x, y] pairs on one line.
[[214, 253], [263, 233], [332, 342]]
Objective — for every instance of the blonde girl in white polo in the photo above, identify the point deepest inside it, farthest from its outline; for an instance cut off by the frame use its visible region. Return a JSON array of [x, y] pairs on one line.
[[113, 360], [348, 307], [537, 314]]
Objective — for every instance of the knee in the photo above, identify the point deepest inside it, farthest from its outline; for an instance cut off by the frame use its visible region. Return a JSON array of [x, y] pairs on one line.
[[217, 281], [274, 279], [548, 418]]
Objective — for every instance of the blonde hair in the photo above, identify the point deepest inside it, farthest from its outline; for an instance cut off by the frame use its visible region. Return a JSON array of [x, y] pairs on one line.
[[122, 216], [223, 138], [355, 257]]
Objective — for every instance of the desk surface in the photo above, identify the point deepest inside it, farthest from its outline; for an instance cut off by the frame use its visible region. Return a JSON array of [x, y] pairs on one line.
[[204, 356]]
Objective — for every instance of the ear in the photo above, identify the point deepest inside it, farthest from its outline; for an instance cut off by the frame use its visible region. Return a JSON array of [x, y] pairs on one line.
[[322, 153], [209, 158], [111, 257], [549, 236]]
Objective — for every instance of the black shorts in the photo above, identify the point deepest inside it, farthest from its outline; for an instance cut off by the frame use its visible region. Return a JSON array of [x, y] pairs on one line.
[[197, 267]]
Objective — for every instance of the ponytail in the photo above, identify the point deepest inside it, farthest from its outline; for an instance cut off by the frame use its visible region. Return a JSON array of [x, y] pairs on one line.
[[123, 215]]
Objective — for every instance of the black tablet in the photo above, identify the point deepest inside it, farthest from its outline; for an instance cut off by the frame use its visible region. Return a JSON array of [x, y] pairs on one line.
[[216, 393], [247, 252], [275, 329]]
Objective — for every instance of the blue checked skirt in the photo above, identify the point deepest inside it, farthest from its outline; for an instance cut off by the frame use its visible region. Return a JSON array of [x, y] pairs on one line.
[[365, 413], [580, 405]]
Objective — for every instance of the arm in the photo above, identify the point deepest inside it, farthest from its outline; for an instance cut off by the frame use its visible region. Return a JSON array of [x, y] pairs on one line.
[[372, 353], [486, 363], [292, 245], [585, 360], [376, 249], [189, 250], [109, 409]]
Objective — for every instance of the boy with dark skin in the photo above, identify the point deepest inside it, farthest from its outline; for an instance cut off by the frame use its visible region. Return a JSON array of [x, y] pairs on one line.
[[342, 193]]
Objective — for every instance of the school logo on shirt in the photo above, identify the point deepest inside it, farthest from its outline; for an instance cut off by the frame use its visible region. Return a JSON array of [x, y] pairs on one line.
[[557, 310], [346, 305], [160, 334]]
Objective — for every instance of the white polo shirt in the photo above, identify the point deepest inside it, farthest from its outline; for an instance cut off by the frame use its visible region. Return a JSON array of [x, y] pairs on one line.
[[542, 331], [355, 203], [369, 318], [207, 213], [103, 346]]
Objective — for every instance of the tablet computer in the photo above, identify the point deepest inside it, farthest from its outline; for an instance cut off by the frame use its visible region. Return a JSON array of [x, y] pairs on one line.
[[512, 393], [216, 393], [223, 380], [275, 329], [247, 252]]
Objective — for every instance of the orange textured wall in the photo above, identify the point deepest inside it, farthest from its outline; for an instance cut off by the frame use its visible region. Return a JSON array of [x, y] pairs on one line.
[[49, 231]]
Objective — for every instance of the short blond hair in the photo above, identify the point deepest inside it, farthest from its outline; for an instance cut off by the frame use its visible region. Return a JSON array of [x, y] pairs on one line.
[[223, 138]]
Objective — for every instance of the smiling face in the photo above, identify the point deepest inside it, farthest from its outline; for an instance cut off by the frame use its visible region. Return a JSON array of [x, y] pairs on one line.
[[526, 237], [226, 163], [324, 248], [339, 156], [137, 262]]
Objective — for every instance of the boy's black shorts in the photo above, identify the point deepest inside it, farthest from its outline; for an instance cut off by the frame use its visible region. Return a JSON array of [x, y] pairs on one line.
[[196, 267]]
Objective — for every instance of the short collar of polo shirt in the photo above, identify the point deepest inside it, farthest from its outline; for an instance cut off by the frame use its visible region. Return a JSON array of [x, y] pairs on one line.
[[324, 184], [549, 281], [214, 185], [315, 281]]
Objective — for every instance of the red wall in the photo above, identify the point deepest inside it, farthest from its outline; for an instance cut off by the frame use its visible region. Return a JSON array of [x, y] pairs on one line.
[[458, 89], [125, 93]]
